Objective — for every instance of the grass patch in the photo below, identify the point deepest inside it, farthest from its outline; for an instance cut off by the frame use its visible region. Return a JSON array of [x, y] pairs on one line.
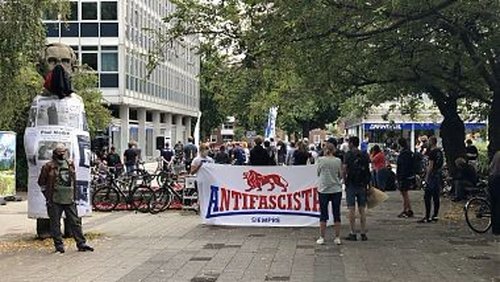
[[32, 243]]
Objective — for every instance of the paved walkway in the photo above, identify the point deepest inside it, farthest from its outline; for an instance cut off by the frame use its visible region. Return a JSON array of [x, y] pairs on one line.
[[174, 246]]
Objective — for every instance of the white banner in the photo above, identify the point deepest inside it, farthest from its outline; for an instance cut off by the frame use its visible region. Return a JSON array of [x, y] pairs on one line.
[[52, 121], [258, 196]]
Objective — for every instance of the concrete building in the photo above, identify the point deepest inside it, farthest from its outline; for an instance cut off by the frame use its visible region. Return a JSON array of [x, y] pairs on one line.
[[225, 132], [110, 37]]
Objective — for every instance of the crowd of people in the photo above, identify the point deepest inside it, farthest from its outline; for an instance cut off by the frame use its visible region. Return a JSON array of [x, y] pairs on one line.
[[345, 161]]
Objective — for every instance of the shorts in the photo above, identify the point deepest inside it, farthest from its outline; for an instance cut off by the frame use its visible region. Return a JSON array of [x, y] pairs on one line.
[[355, 194], [406, 184], [324, 199]]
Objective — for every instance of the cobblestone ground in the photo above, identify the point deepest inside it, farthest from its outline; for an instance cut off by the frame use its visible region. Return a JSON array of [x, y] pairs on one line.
[[174, 246]]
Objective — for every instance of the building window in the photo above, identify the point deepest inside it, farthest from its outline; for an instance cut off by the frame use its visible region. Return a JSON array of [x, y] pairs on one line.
[[69, 30], [73, 15], [50, 15], [109, 61], [52, 29], [109, 30], [108, 11], [109, 80], [90, 30], [90, 59], [89, 11]]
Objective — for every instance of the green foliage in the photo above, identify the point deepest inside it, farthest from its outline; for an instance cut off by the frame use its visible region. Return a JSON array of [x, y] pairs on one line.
[[483, 162], [313, 57], [84, 84]]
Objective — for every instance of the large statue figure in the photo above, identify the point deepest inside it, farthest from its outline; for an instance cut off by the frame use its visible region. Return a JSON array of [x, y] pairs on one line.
[[57, 115]]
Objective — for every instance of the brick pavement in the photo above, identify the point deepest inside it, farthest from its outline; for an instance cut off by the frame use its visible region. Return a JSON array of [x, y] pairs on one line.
[[174, 246]]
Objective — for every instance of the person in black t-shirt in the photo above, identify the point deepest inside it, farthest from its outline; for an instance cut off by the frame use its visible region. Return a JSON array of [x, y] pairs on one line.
[[405, 174], [130, 158], [259, 155], [222, 157], [113, 158], [356, 175], [301, 155], [433, 180], [190, 152]]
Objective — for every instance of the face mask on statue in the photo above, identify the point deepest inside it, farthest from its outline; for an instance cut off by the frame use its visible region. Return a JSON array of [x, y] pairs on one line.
[[60, 156]]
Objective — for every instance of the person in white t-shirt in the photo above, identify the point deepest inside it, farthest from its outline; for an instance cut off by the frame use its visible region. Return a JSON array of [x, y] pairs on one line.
[[201, 159]]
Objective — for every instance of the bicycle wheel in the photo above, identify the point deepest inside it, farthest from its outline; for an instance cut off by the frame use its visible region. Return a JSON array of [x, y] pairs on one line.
[[163, 199], [105, 199], [478, 214], [142, 198]]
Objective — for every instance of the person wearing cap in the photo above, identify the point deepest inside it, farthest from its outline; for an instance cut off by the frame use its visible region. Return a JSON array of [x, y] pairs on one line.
[[57, 181]]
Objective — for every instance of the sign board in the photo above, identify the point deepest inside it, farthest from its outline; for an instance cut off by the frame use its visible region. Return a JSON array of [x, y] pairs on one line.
[[7, 163]]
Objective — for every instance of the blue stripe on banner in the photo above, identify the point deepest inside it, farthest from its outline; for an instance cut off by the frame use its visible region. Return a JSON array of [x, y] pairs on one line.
[[263, 212]]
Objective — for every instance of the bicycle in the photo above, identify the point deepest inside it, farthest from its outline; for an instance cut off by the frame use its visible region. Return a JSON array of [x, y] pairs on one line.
[[135, 197], [170, 190], [478, 213]]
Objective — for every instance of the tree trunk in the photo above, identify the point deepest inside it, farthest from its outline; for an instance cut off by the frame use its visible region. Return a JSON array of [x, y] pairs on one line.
[[452, 130], [453, 135], [494, 125]]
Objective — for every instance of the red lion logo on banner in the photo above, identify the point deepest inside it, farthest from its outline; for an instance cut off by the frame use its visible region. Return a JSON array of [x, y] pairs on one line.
[[256, 180]]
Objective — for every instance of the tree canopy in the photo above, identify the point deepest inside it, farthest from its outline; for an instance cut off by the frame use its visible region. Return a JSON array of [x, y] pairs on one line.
[[22, 37], [315, 57]]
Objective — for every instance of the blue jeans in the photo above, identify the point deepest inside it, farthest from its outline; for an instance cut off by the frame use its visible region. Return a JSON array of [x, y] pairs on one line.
[[130, 167]]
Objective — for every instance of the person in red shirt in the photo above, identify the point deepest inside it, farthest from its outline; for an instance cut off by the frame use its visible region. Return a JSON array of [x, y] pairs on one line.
[[378, 162]]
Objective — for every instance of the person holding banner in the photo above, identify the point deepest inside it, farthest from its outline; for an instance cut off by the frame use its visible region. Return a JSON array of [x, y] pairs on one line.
[[57, 180], [329, 190], [201, 159]]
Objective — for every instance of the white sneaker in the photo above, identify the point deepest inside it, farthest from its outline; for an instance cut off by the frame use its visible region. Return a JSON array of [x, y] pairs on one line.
[[337, 241], [320, 241]]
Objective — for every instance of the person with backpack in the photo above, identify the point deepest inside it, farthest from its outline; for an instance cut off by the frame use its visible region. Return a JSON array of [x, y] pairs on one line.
[[405, 175], [356, 175], [433, 180]]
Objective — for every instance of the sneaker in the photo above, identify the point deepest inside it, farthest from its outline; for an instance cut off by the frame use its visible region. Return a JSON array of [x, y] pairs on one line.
[[351, 237], [434, 218], [60, 249], [337, 241], [363, 237], [403, 215], [85, 248], [320, 241], [409, 213], [424, 220]]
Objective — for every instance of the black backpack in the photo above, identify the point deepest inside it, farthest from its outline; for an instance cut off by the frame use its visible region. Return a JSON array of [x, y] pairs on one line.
[[359, 170]]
